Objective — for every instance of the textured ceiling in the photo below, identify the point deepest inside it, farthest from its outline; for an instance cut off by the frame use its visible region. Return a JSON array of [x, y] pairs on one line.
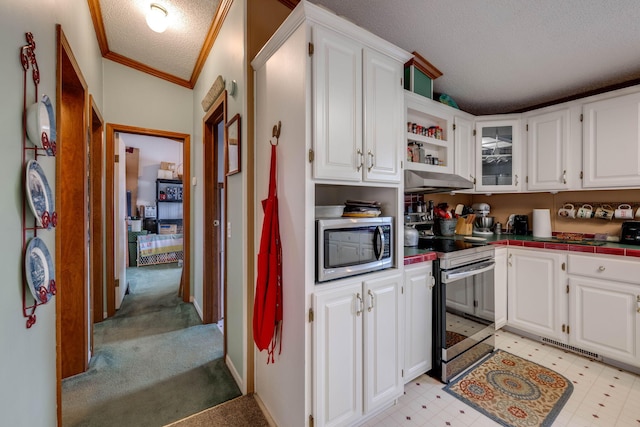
[[175, 51], [507, 55], [496, 56]]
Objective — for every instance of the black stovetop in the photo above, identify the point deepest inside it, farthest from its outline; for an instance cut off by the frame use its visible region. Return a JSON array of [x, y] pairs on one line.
[[447, 244]]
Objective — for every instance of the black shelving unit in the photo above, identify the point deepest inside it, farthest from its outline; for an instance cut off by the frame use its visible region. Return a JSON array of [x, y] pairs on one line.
[[169, 203]]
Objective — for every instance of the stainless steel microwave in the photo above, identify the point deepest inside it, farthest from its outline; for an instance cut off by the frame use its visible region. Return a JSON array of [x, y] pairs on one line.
[[350, 246]]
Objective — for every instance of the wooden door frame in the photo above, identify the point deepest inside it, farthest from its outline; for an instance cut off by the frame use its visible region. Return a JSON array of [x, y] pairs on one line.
[[217, 113], [183, 138], [72, 301], [96, 203]]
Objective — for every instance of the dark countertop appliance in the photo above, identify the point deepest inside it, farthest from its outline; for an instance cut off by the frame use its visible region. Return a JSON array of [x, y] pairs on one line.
[[630, 234], [521, 225]]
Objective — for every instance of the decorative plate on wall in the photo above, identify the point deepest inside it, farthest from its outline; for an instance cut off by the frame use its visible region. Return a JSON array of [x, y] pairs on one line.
[[39, 269], [38, 191], [41, 124]]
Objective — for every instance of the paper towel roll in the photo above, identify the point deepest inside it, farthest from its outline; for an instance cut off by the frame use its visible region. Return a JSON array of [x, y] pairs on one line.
[[541, 223]]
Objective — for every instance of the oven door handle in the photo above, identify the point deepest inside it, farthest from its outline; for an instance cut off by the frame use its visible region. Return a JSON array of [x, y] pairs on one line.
[[461, 273]]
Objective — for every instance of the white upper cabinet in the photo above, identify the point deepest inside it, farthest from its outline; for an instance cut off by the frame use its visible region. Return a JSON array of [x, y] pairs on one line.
[[337, 95], [548, 147], [497, 158], [611, 132], [358, 110], [463, 147], [383, 117]]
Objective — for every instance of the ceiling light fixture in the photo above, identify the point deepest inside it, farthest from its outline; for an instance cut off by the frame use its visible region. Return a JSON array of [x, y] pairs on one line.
[[157, 18]]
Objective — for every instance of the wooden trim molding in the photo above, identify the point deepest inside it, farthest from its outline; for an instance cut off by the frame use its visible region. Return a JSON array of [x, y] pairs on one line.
[[128, 62], [98, 25], [290, 3], [423, 65], [221, 13]]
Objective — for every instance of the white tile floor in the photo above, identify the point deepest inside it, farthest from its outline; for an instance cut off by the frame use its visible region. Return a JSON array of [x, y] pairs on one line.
[[602, 395]]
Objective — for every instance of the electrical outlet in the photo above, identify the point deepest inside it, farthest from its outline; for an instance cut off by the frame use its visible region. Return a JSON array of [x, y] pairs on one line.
[[228, 230]]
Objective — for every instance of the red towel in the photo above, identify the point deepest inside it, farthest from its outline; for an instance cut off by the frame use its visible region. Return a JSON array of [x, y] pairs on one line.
[[267, 304]]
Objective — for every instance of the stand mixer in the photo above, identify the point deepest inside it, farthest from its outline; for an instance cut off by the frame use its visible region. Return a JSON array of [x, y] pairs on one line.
[[483, 222]]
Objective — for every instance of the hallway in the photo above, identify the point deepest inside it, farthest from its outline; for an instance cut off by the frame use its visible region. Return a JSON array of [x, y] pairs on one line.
[[154, 362]]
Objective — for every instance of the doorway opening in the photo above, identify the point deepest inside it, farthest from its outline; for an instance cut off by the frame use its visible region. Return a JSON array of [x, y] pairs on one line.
[[214, 199]]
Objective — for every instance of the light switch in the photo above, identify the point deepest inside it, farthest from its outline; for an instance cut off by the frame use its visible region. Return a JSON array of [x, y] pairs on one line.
[[228, 230], [194, 181]]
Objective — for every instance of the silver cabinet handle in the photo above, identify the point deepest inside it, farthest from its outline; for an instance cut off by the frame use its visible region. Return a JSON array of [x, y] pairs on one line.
[[361, 159], [601, 268], [373, 300], [510, 264], [516, 180], [360, 303], [638, 303], [370, 158], [564, 176]]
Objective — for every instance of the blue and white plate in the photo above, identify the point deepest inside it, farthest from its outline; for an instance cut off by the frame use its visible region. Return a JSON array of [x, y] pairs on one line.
[[38, 191], [39, 269]]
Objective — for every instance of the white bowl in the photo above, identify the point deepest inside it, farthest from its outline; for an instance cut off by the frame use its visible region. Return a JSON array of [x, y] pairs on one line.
[[39, 121], [331, 211]]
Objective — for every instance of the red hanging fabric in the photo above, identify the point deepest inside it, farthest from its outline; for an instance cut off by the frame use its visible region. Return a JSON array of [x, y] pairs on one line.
[[267, 304]]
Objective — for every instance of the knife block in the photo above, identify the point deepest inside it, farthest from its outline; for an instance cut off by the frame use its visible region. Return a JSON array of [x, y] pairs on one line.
[[462, 228]]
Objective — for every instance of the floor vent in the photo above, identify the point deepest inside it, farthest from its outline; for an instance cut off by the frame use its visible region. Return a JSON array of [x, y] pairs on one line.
[[573, 349]]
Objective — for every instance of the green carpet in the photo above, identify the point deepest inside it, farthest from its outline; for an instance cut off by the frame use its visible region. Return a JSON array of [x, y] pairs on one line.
[[154, 362]]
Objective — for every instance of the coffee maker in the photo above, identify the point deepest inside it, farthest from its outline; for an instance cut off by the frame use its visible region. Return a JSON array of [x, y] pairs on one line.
[[521, 225]]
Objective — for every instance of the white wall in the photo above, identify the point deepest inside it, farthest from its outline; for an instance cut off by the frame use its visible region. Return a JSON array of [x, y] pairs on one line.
[[153, 150], [226, 59], [27, 356]]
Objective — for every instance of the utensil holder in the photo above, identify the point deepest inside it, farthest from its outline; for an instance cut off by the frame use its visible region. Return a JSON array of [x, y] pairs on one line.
[[463, 228], [446, 226]]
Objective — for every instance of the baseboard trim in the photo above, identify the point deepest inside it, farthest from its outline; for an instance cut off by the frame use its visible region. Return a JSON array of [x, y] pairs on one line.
[[236, 376], [197, 306], [264, 410]]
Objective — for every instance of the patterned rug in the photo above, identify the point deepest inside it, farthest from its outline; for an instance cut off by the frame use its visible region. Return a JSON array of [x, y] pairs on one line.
[[513, 391]]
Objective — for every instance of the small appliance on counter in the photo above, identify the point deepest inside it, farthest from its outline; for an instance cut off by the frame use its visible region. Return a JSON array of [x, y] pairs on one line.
[[542, 223], [630, 234], [521, 225], [483, 222]]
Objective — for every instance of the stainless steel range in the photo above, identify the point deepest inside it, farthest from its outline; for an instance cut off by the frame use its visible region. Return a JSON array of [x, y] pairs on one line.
[[464, 317]]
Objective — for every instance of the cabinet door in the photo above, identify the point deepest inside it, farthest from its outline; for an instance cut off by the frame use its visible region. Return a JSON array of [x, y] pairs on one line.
[[500, 287], [604, 318], [537, 301], [463, 148], [418, 304], [548, 141], [498, 155], [337, 95], [337, 355], [383, 350], [611, 142], [383, 117]]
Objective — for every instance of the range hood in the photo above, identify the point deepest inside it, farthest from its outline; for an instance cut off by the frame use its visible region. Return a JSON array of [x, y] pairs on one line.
[[433, 182]]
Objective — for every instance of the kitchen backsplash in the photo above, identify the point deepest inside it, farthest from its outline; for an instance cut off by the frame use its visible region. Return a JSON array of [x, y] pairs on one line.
[[502, 205]]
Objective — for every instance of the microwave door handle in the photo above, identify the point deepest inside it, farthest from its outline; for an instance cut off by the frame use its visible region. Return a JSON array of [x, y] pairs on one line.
[[378, 247], [467, 272]]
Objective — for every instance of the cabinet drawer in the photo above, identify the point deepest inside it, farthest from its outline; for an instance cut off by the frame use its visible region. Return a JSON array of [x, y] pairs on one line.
[[601, 267]]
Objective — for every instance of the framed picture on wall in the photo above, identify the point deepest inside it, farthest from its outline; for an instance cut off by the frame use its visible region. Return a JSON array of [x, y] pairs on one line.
[[232, 146]]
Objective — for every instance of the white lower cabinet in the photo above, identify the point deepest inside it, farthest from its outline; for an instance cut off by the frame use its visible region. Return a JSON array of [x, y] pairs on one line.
[[500, 287], [604, 312], [418, 320], [537, 299], [357, 349]]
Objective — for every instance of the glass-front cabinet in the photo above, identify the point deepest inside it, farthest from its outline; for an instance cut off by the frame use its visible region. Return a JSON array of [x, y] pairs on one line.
[[498, 150]]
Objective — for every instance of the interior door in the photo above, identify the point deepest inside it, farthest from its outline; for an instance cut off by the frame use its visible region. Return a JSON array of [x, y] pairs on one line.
[[120, 224]]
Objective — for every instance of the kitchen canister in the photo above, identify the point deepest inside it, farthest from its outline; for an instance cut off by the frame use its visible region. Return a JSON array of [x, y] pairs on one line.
[[542, 223]]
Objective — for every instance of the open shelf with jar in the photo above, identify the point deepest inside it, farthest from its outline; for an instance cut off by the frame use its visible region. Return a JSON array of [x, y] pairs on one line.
[[429, 135]]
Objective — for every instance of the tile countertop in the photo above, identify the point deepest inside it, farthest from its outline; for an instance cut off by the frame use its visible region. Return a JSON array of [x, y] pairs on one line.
[[414, 255]]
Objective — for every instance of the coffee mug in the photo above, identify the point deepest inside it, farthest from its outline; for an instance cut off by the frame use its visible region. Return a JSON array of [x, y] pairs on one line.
[[585, 211], [604, 212], [567, 211], [624, 211]]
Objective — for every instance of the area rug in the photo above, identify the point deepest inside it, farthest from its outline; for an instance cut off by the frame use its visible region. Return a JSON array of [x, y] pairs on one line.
[[513, 391]]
